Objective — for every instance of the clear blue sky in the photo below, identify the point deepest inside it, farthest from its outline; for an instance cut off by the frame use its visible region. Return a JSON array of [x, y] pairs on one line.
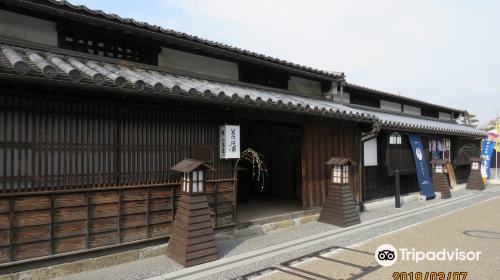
[[444, 52]]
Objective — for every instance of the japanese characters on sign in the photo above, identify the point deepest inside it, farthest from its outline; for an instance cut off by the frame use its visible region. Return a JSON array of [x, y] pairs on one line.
[[229, 137]]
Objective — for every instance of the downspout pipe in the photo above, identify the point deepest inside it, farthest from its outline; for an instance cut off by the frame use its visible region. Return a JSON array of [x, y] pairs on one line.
[[342, 84]]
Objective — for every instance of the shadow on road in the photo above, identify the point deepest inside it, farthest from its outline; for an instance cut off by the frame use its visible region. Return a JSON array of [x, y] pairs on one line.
[[482, 234], [288, 268]]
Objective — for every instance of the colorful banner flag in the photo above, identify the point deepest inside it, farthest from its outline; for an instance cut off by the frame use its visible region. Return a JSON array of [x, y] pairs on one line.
[[486, 154], [424, 177]]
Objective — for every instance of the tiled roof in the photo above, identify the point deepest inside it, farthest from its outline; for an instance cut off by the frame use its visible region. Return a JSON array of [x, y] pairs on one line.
[[173, 33], [52, 66], [421, 124], [402, 97]]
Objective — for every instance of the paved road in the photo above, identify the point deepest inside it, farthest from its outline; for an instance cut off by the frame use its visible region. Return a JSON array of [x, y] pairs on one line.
[[474, 229]]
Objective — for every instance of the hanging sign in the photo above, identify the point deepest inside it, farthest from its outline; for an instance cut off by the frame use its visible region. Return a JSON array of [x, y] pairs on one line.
[[229, 140], [424, 177], [486, 154]]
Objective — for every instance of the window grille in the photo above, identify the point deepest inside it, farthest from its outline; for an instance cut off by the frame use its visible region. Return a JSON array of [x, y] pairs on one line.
[[365, 101], [264, 77], [108, 43]]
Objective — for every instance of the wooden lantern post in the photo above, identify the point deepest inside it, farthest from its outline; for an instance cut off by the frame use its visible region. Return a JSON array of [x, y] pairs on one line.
[[339, 208], [440, 180], [475, 181], [192, 240]]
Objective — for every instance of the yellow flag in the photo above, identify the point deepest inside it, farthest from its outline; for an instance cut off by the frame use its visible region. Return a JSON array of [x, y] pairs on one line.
[[497, 145]]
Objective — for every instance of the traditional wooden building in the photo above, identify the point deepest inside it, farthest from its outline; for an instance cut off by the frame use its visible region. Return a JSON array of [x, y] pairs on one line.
[[441, 135], [96, 109]]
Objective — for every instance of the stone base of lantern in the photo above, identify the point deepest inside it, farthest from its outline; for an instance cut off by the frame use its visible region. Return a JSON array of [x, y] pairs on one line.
[[339, 208], [192, 241], [441, 184], [475, 181]]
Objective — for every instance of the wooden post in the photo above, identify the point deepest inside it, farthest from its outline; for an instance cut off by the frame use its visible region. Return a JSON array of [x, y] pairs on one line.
[[475, 181], [339, 208], [192, 240]]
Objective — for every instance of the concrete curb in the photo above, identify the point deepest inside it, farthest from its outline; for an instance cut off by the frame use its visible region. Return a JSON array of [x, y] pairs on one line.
[[389, 202], [261, 229], [66, 269]]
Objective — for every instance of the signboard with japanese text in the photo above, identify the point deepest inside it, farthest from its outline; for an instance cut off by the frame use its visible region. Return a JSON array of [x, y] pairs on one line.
[[229, 140], [486, 154]]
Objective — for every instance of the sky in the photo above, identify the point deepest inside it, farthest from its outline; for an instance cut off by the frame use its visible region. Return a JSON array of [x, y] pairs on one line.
[[443, 52]]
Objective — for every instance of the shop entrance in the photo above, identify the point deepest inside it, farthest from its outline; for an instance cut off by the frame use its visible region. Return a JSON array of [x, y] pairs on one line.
[[280, 191]]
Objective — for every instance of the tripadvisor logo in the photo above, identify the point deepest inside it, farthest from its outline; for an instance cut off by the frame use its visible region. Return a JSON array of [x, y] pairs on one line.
[[387, 255]]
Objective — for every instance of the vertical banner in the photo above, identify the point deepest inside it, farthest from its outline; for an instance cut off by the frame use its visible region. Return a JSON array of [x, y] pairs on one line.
[[486, 154], [424, 177], [229, 137]]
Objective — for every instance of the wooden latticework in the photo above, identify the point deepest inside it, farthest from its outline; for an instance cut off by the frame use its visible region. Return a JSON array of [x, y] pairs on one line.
[[79, 175], [339, 208], [192, 240], [441, 184]]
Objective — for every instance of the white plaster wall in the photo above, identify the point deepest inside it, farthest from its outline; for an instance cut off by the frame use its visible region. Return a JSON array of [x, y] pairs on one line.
[[387, 105], [445, 116], [370, 152], [28, 28], [304, 85], [198, 64], [347, 97], [412, 110]]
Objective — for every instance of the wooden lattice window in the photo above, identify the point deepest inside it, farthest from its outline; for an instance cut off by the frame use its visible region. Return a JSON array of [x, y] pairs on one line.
[[264, 77], [341, 174], [346, 173], [365, 101], [102, 42], [337, 174], [430, 113], [475, 165], [439, 168]]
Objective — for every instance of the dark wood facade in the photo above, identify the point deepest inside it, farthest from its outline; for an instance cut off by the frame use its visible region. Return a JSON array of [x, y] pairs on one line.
[[80, 175], [379, 182], [320, 142]]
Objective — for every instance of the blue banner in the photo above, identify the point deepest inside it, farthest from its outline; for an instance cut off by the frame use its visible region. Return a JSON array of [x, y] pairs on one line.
[[486, 154], [424, 177]]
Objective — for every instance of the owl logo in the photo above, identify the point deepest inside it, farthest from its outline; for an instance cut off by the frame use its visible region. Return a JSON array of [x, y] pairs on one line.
[[418, 152]]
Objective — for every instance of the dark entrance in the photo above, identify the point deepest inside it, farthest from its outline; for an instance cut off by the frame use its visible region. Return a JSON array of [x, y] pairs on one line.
[[281, 191]]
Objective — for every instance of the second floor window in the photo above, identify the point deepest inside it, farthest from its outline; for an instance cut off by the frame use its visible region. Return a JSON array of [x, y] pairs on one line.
[[365, 101], [264, 77], [102, 42]]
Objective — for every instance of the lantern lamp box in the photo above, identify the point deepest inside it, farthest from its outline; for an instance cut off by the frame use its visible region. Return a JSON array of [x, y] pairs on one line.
[[229, 140], [475, 181], [440, 180], [339, 208], [192, 241]]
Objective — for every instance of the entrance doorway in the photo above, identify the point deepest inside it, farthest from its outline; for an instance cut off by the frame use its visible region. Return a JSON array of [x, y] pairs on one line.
[[280, 191]]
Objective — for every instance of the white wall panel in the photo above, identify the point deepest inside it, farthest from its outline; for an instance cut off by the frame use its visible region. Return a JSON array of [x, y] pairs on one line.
[[387, 105], [370, 152], [198, 64], [412, 110], [28, 28]]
